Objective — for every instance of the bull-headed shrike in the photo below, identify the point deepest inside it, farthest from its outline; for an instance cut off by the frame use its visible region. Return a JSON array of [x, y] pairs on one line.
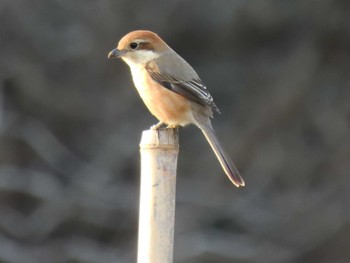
[[171, 89]]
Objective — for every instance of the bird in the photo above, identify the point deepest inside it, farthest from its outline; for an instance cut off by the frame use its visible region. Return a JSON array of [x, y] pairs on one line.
[[171, 89]]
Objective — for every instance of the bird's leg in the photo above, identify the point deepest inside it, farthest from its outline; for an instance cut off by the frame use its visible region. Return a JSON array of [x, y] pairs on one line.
[[157, 126]]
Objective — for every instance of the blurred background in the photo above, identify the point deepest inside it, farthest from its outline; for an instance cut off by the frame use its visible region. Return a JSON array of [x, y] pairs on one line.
[[71, 122]]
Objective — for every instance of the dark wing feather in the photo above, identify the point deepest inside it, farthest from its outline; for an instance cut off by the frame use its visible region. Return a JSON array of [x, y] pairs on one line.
[[193, 89]]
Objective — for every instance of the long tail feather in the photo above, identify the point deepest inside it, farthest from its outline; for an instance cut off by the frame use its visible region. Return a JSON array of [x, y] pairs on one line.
[[226, 163]]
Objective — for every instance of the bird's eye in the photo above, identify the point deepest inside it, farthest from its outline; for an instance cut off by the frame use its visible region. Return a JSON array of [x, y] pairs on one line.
[[134, 45]]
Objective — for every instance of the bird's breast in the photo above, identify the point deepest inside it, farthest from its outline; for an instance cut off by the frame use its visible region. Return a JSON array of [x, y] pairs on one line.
[[166, 105]]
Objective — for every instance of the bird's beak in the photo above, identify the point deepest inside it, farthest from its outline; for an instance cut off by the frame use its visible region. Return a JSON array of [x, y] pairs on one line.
[[115, 53]]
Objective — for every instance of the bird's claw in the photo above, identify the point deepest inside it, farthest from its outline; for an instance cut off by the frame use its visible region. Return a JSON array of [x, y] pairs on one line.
[[157, 126]]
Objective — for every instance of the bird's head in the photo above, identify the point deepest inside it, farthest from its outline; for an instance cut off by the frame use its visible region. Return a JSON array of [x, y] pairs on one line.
[[139, 47]]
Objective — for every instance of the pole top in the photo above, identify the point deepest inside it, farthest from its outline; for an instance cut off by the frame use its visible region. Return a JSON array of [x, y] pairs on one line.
[[167, 138]]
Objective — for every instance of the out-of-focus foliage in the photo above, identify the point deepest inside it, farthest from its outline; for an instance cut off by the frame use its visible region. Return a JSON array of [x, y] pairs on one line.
[[70, 124]]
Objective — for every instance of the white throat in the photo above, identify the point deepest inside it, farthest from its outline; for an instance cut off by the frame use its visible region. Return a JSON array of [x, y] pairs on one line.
[[139, 58]]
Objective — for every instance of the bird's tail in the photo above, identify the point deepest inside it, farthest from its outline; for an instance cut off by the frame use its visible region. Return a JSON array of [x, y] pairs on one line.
[[226, 163]]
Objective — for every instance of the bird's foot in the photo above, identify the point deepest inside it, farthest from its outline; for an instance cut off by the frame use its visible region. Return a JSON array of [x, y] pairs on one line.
[[172, 126], [157, 126]]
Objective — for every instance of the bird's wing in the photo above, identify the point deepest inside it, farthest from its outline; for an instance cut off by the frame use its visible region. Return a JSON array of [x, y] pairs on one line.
[[191, 88]]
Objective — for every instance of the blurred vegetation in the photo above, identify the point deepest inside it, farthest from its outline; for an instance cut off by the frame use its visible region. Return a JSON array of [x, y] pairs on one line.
[[70, 124]]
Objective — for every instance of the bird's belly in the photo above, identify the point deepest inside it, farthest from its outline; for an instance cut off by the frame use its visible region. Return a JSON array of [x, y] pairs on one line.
[[166, 105]]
